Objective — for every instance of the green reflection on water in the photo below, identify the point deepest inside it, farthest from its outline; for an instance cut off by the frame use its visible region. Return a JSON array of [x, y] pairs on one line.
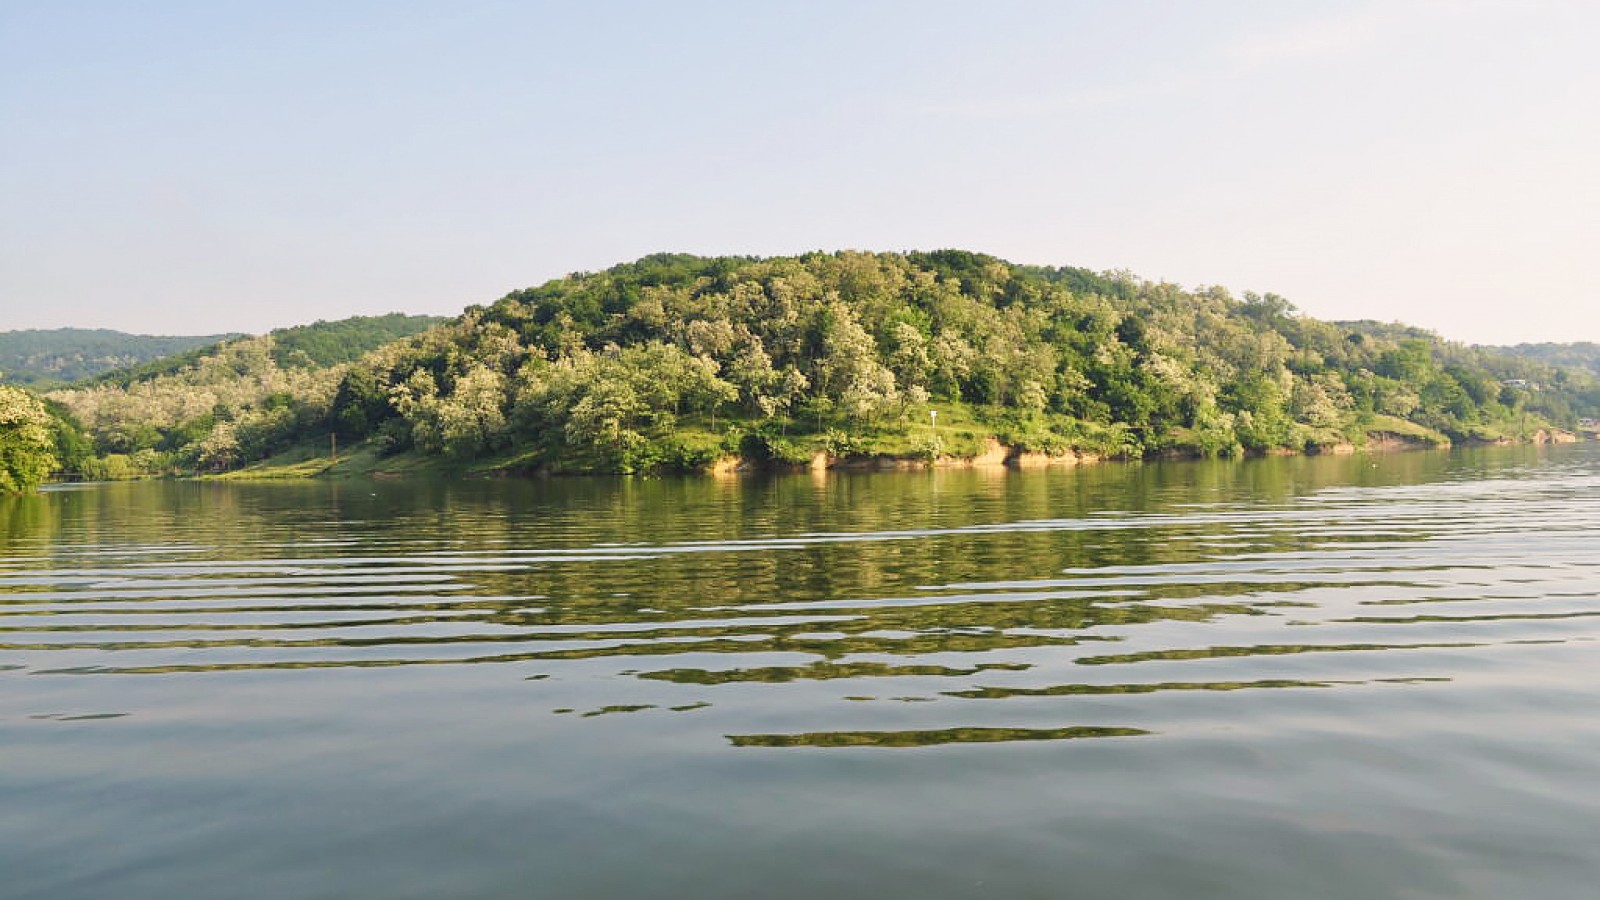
[[1259, 650], [388, 642], [1067, 690], [818, 672], [928, 738], [618, 708]]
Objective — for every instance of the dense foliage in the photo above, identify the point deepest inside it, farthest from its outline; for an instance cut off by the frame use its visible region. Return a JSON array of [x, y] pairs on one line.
[[45, 358], [27, 441], [323, 343], [1577, 372], [211, 408], [674, 360], [1583, 355]]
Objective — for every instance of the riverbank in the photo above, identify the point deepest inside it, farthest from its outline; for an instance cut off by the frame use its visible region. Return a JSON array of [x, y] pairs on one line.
[[1387, 436]]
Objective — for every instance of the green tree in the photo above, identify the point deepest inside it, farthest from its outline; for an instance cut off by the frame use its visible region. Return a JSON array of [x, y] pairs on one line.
[[1262, 421], [27, 445]]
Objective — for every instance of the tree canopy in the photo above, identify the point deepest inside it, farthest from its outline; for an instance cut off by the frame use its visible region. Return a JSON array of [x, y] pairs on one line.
[[27, 441]]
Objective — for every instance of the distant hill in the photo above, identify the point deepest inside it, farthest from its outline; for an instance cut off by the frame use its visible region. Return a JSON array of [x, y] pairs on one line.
[[316, 346], [1584, 356], [45, 358]]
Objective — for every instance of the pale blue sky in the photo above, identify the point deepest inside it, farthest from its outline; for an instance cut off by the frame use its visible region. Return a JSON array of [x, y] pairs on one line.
[[207, 166]]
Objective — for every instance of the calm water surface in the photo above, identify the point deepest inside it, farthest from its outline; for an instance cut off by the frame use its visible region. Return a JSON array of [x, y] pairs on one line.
[[1289, 678]]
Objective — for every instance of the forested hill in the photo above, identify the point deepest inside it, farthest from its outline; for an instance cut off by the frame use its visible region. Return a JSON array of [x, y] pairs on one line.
[[318, 345], [674, 361], [325, 343], [61, 355], [1583, 356]]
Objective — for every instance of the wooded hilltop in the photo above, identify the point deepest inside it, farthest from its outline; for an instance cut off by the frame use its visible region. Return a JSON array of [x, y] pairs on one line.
[[679, 363]]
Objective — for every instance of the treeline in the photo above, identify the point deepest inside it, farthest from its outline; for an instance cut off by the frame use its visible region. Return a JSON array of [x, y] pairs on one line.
[[674, 360]]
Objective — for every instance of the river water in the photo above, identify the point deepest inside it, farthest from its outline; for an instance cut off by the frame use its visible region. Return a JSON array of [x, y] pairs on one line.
[[1354, 677]]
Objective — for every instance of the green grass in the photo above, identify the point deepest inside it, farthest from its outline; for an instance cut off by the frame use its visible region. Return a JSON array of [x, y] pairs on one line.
[[1406, 430]]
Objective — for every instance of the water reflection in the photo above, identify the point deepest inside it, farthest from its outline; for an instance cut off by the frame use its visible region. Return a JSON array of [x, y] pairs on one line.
[[1068, 690], [407, 689], [854, 579], [926, 738]]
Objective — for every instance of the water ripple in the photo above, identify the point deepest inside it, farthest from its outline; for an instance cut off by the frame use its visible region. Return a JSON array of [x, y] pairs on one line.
[[838, 590]]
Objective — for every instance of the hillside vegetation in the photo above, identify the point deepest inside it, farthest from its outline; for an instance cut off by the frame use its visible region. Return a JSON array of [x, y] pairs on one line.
[[315, 346], [1583, 355], [675, 361], [1580, 362], [27, 441], [167, 415], [47, 358]]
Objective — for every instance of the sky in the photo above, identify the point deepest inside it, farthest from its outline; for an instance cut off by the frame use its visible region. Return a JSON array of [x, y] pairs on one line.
[[211, 166]]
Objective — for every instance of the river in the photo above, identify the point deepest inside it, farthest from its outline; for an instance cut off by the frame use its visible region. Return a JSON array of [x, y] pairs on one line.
[[1305, 677]]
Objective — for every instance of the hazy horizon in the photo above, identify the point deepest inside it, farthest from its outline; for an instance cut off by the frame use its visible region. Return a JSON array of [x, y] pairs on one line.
[[188, 169]]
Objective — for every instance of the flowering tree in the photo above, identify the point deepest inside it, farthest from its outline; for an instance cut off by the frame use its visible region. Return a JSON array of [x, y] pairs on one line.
[[26, 445]]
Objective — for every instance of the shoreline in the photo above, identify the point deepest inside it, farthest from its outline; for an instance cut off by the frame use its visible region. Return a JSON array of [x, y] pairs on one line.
[[998, 454], [994, 454]]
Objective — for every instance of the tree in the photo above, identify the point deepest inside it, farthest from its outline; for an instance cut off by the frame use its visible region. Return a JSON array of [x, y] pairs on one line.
[[359, 405], [1261, 421], [752, 372], [473, 419], [951, 358], [790, 389], [850, 370], [26, 442], [604, 422], [1320, 400], [219, 450], [910, 360]]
